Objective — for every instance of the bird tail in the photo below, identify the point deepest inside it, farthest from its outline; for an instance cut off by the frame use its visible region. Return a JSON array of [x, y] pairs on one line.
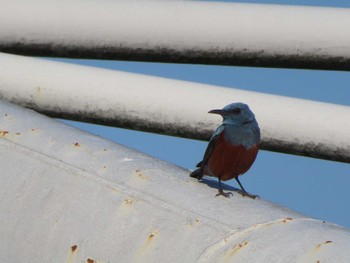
[[197, 173]]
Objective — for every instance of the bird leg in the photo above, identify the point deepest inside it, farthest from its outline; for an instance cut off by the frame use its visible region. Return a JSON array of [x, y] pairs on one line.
[[221, 192], [244, 192]]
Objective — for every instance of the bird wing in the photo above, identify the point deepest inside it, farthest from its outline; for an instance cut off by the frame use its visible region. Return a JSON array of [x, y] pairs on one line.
[[211, 146]]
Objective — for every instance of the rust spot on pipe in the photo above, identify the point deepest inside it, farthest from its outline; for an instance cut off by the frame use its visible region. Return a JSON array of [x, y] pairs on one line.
[[72, 254], [234, 250], [128, 201], [76, 144], [241, 245], [314, 251], [151, 237], [194, 222], [287, 219], [153, 234], [326, 242], [89, 260], [74, 248], [3, 133], [140, 175], [147, 246], [127, 206]]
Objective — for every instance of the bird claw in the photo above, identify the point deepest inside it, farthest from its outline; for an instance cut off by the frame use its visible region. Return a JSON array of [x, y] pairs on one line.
[[250, 195], [227, 195]]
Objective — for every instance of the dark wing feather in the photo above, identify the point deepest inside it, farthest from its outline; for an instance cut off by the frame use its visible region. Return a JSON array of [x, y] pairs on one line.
[[209, 150], [211, 146]]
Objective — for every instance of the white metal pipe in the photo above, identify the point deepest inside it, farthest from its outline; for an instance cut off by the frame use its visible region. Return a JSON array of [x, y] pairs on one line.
[[171, 107], [179, 31], [69, 196]]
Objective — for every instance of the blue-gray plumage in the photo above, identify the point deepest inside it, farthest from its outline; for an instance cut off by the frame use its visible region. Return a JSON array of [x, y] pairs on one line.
[[233, 147]]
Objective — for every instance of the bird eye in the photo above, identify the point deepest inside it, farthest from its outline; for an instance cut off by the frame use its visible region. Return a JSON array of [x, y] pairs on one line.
[[236, 110]]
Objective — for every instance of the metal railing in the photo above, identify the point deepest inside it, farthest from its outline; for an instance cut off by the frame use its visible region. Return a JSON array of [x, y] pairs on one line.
[[171, 107], [179, 32]]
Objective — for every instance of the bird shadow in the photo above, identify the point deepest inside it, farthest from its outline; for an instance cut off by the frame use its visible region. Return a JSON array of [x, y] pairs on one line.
[[215, 184], [225, 187]]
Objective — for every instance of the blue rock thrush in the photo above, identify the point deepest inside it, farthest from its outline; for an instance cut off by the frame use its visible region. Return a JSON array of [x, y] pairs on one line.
[[233, 147]]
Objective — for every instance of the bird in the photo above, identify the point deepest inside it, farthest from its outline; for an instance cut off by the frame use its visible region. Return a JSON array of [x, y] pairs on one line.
[[232, 148]]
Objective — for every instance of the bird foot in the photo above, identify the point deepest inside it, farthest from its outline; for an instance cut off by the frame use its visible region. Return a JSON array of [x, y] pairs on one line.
[[227, 195], [244, 193]]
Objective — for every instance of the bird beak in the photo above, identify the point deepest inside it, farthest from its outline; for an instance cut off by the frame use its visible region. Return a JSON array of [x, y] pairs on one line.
[[221, 112]]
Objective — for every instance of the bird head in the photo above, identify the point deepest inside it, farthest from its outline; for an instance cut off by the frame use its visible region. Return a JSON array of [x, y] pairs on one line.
[[235, 113]]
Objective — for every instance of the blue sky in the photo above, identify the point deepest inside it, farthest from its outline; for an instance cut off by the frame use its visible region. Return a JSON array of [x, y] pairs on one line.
[[316, 188]]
